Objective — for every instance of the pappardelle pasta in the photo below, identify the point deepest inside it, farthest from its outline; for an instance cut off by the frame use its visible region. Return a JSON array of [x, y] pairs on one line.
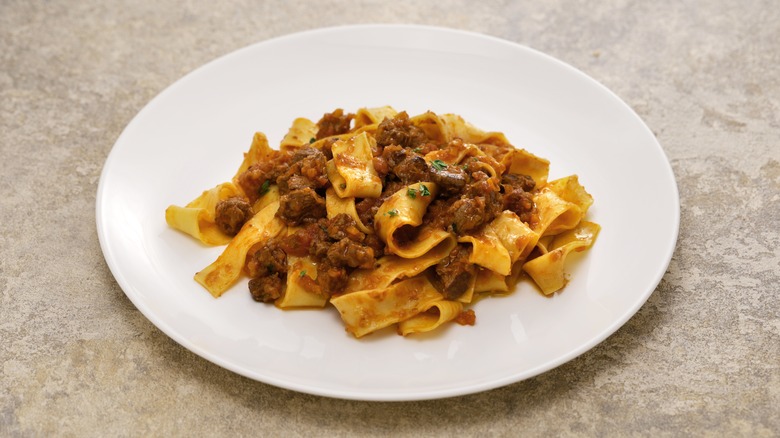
[[392, 219]]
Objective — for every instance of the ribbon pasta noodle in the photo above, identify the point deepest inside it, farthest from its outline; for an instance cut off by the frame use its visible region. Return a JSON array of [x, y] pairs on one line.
[[392, 220]]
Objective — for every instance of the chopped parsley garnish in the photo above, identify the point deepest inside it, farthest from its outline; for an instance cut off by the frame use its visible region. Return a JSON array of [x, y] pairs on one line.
[[302, 274], [439, 164], [264, 188], [417, 150], [424, 190], [392, 213], [412, 193], [343, 186], [312, 140]]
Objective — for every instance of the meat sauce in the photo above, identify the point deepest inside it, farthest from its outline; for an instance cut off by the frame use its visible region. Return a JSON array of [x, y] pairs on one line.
[[468, 199]]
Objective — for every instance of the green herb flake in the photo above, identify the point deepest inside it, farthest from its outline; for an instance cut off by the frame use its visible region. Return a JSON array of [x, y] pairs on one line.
[[264, 188], [417, 150], [439, 164], [302, 274], [412, 193], [392, 213], [343, 186], [424, 190], [312, 140]]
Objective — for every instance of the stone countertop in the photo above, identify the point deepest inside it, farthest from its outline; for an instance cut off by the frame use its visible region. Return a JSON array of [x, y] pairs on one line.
[[701, 357]]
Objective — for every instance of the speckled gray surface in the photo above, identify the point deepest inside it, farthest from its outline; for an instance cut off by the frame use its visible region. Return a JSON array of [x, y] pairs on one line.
[[702, 357]]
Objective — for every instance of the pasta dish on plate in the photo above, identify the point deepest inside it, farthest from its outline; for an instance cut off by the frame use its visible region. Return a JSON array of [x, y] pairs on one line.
[[392, 219]]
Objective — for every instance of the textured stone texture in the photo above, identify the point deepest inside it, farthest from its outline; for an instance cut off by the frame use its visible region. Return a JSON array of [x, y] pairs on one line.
[[702, 357]]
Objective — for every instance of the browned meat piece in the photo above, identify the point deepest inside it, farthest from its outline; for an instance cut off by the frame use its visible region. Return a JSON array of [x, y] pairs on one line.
[[438, 213], [352, 254], [451, 180], [455, 272], [467, 214], [231, 214], [393, 155], [307, 168], [375, 243], [524, 182], [332, 279], [334, 123], [342, 226], [413, 169], [320, 241], [301, 206], [467, 317], [266, 258], [255, 180], [299, 243], [520, 202], [399, 131], [266, 289]]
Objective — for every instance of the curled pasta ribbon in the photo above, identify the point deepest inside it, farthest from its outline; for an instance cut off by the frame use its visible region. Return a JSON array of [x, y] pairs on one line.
[[223, 272], [369, 310], [301, 290], [456, 127], [300, 134], [561, 205], [522, 162], [400, 213], [335, 205], [372, 116], [197, 217], [438, 313], [351, 171], [547, 269]]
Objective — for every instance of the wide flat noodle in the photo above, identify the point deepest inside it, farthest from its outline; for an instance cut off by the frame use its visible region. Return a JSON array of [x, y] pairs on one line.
[[456, 127], [517, 237], [223, 273], [434, 316], [522, 162], [351, 172], [391, 268], [488, 251], [300, 134], [372, 116], [490, 281], [432, 125], [301, 290], [400, 211], [197, 218], [547, 269], [366, 311], [336, 205], [555, 213]]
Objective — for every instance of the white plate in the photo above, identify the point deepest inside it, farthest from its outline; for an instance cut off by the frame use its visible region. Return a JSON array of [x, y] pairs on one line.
[[192, 136]]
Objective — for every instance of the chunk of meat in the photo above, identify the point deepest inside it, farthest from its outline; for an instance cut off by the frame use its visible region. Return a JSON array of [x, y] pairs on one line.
[[332, 279], [301, 206], [231, 214], [351, 254], [266, 258], [343, 226], [266, 289], [455, 273], [451, 180], [519, 202], [399, 131], [334, 123], [255, 180], [413, 169], [307, 168], [523, 182], [467, 214]]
